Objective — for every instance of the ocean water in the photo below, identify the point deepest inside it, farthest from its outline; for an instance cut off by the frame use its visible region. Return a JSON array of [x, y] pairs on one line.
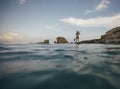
[[59, 66]]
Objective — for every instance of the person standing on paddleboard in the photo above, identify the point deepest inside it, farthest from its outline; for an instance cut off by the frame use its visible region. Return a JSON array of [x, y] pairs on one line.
[[77, 36]]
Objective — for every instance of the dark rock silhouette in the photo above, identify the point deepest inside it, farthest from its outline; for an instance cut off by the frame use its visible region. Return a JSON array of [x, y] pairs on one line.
[[110, 37], [91, 41], [61, 40], [44, 42]]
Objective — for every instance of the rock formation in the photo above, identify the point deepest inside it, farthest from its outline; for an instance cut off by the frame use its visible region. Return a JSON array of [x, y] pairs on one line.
[[61, 40], [45, 42], [112, 36], [91, 41]]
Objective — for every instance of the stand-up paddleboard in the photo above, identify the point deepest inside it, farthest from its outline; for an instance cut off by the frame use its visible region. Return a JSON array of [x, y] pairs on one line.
[[77, 42]]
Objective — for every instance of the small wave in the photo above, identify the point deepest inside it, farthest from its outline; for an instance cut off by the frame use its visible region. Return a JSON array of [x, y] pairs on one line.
[[59, 56], [60, 66], [68, 56], [113, 61], [112, 52], [41, 49], [21, 52], [3, 48], [83, 52], [60, 50], [51, 57], [14, 53]]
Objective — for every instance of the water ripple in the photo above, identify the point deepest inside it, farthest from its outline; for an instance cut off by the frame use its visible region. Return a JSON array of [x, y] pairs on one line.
[[69, 66]]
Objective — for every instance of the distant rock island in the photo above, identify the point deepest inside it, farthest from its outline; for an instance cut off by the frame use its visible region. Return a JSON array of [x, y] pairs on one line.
[[111, 36], [44, 42], [61, 40]]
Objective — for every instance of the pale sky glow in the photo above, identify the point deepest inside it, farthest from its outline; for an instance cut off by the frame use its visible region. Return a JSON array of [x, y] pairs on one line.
[[10, 37], [22, 1], [24, 21]]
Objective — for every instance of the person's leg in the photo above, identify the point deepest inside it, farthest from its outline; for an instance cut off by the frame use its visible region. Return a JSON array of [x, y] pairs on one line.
[[78, 39]]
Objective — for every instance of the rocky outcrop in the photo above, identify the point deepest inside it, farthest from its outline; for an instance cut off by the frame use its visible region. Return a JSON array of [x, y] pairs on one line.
[[112, 36], [44, 42], [61, 40], [91, 41]]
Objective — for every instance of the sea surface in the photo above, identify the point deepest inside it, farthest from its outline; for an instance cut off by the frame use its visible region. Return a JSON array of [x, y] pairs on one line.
[[59, 66]]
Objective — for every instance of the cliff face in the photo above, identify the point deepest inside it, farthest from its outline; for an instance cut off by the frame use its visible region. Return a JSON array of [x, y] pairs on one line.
[[112, 36], [61, 40]]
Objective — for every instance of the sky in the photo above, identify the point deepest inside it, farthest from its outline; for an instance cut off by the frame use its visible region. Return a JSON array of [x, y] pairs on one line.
[[24, 21]]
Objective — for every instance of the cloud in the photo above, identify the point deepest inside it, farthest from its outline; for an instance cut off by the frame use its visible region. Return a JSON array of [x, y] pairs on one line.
[[89, 11], [10, 37], [103, 5], [111, 21], [51, 27], [22, 2], [100, 7]]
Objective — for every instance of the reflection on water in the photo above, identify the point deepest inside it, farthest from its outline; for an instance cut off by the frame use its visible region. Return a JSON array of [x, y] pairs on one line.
[[84, 66]]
